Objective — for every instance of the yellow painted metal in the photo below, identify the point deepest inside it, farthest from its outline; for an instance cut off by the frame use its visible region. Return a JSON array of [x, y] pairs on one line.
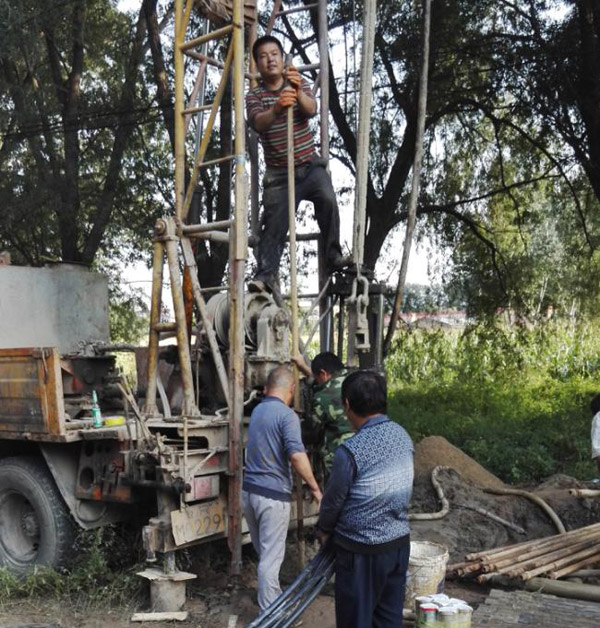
[[206, 135], [150, 407], [195, 522], [198, 41], [179, 106], [183, 343], [186, 16], [238, 255]]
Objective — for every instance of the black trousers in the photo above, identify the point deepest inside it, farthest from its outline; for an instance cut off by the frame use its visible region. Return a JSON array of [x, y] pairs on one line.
[[312, 184], [369, 588]]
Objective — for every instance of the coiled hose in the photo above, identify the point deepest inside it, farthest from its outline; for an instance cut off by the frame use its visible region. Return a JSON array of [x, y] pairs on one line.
[[286, 609]]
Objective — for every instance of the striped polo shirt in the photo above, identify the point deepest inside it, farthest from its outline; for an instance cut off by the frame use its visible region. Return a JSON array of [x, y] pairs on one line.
[[274, 140]]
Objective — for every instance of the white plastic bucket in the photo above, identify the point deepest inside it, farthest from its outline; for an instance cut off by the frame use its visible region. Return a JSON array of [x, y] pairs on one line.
[[426, 570]]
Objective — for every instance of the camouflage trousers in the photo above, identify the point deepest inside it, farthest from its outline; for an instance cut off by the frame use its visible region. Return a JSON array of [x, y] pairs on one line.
[[328, 448]]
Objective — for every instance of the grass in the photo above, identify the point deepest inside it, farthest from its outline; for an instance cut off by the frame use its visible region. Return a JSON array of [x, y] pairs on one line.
[[103, 575], [515, 400]]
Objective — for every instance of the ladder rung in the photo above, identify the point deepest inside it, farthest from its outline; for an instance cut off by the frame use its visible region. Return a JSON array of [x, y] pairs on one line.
[[164, 327], [198, 41], [214, 63], [208, 226], [191, 110], [208, 60], [307, 7], [213, 162], [310, 66], [213, 236]]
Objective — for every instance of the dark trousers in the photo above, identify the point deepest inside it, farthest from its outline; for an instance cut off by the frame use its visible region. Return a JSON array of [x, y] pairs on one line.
[[369, 588], [312, 184]]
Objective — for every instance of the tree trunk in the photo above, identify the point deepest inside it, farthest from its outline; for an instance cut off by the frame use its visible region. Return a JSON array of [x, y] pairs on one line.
[[125, 128]]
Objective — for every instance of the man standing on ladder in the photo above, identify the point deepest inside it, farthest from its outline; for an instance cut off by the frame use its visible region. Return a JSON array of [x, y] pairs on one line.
[[266, 107]]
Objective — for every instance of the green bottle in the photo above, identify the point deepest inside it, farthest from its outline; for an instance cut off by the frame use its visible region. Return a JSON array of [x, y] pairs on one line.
[[96, 414]]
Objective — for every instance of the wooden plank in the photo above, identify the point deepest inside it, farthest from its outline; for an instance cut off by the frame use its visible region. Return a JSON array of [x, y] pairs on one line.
[[504, 609], [177, 616], [31, 393]]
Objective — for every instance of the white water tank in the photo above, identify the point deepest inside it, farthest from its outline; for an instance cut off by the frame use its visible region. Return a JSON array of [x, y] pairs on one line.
[[59, 306]]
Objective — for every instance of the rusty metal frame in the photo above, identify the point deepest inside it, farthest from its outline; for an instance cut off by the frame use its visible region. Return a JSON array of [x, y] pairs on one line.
[[235, 232], [32, 378]]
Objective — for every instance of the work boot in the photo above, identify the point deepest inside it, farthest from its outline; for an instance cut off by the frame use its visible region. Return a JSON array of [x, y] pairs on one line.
[[340, 263], [266, 285], [273, 288], [257, 285]]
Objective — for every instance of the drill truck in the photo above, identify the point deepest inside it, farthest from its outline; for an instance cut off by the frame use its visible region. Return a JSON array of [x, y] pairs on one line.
[[58, 471], [174, 450]]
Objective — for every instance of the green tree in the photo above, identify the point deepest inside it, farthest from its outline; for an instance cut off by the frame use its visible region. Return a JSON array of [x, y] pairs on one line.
[[81, 150]]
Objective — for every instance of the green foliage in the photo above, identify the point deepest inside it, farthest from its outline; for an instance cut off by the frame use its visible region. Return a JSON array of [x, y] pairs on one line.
[[516, 400], [128, 314], [102, 575], [83, 158]]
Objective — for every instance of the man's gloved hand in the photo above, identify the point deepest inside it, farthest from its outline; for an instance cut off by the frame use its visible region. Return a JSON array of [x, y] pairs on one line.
[[293, 77], [287, 98]]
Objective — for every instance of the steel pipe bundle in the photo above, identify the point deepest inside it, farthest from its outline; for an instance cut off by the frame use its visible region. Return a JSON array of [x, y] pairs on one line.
[[554, 556], [286, 609]]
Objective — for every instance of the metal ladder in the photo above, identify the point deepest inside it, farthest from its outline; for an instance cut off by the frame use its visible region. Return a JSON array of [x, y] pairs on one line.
[[173, 241]]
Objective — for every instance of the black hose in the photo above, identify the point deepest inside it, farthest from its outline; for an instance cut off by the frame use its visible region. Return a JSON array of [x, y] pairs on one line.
[[282, 612], [313, 565], [313, 594], [303, 590], [286, 603]]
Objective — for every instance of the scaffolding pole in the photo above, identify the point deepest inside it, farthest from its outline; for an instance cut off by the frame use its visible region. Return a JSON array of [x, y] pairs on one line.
[[238, 256]]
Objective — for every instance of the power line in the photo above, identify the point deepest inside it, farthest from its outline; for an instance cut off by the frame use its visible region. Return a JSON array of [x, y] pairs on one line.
[[30, 130]]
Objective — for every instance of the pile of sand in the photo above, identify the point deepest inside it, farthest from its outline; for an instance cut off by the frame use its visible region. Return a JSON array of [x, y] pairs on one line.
[[436, 450]]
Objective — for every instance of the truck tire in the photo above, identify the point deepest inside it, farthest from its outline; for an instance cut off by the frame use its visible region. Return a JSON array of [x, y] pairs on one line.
[[35, 525]]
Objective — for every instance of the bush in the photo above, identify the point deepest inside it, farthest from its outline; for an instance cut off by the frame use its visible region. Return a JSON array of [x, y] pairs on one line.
[[516, 400]]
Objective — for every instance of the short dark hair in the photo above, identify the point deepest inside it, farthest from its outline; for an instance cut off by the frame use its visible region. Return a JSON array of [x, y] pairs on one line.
[[266, 39], [280, 378], [326, 361], [595, 404], [365, 392]]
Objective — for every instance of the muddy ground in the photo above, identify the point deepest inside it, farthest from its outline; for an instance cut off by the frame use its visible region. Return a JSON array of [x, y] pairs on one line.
[[215, 602]]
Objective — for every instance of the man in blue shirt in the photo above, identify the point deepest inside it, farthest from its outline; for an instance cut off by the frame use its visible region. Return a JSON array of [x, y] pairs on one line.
[[365, 508], [274, 441]]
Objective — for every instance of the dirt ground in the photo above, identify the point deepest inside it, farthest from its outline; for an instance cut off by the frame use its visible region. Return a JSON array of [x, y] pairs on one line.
[[215, 602], [465, 528]]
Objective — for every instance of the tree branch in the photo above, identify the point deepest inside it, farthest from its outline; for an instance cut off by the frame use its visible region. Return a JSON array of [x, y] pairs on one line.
[[163, 90], [123, 132]]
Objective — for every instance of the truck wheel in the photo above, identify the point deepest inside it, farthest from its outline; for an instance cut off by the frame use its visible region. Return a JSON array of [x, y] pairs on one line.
[[35, 524]]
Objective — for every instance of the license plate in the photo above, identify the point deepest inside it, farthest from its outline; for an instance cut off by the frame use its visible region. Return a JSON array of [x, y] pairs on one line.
[[200, 520]]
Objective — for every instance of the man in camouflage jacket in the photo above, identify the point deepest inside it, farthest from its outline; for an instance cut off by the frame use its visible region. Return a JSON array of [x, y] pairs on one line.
[[326, 418]]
